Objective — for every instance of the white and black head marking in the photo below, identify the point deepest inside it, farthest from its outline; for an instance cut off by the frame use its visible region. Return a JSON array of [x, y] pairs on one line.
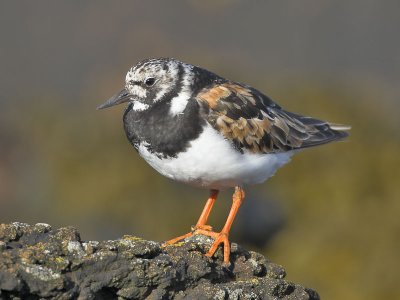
[[155, 80], [161, 105]]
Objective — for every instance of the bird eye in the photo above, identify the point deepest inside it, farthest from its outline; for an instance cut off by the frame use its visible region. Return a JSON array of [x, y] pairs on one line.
[[149, 81]]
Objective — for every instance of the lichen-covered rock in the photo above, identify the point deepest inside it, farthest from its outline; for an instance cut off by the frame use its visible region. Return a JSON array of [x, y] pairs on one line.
[[37, 262]]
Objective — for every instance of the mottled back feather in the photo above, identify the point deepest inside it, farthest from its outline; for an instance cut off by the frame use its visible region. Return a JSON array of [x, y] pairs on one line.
[[255, 123]]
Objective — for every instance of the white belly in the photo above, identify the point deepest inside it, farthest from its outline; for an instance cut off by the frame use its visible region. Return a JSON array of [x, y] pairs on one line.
[[211, 162]]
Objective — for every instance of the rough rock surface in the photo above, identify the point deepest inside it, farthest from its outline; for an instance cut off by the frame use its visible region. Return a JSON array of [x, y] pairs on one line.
[[38, 262]]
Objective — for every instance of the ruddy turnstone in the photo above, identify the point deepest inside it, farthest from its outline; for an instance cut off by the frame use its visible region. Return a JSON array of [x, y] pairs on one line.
[[196, 127]]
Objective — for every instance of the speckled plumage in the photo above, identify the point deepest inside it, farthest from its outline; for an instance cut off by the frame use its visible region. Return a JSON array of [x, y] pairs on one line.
[[166, 118]]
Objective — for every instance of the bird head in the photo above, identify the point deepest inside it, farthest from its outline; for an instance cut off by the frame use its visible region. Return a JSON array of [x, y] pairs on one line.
[[151, 81]]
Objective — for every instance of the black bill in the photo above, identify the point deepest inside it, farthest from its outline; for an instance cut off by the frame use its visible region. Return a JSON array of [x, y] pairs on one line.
[[121, 97]]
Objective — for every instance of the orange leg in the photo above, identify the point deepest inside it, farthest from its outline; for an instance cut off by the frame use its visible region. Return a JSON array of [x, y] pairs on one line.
[[200, 226], [207, 210], [222, 237]]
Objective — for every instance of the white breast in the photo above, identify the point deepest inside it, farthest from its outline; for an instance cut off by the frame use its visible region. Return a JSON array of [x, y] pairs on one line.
[[211, 162]]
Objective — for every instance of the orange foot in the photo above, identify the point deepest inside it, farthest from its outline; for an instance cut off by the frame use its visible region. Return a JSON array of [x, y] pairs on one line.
[[198, 229], [201, 226], [221, 238]]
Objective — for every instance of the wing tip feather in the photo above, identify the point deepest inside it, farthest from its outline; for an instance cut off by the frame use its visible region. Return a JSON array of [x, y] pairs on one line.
[[339, 127]]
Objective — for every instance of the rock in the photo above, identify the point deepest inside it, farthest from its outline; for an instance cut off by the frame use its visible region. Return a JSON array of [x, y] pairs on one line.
[[40, 262]]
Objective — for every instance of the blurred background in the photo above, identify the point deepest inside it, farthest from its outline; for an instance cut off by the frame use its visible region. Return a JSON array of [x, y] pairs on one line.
[[330, 217]]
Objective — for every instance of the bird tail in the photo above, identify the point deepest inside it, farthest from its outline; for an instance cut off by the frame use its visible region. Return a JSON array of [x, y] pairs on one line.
[[315, 132]]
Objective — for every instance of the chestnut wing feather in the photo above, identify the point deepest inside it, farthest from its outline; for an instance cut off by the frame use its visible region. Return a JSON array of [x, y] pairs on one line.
[[254, 122]]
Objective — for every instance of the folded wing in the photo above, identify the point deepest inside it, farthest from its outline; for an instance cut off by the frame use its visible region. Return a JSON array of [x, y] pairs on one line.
[[253, 122]]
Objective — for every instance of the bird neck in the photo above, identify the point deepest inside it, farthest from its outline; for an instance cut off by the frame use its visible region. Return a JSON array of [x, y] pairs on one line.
[[162, 132]]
